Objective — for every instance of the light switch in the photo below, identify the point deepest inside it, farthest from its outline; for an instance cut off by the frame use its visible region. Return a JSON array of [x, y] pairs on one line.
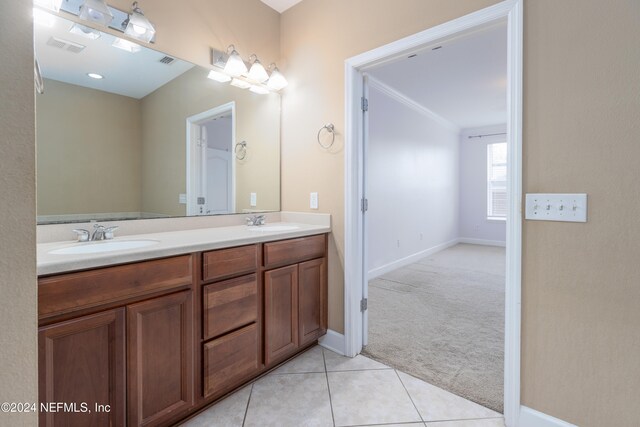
[[254, 200], [313, 200], [182, 198], [556, 207]]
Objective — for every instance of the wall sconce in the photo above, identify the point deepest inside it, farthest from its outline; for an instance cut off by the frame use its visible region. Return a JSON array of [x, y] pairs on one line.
[[138, 26], [277, 80], [235, 66], [257, 71], [126, 45], [229, 67], [96, 11], [85, 31]]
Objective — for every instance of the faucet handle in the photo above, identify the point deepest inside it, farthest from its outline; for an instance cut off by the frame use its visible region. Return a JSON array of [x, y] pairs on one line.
[[108, 232], [82, 234]]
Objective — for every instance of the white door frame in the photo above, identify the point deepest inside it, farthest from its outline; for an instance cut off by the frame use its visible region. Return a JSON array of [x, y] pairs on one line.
[[354, 181], [193, 157]]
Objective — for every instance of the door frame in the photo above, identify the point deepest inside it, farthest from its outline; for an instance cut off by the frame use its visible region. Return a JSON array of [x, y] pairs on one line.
[[193, 158], [354, 274]]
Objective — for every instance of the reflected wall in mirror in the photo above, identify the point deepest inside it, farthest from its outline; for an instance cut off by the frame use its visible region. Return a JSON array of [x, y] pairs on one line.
[[125, 134]]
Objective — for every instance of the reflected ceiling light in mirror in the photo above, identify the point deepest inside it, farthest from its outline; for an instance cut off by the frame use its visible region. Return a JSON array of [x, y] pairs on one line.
[[277, 80], [218, 76], [240, 83], [95, 76], [84, 31], [49, 4], [138, 26], [42, 17], [126, 45], [259, 89], [257, 71], [96, 11], [235, 66]]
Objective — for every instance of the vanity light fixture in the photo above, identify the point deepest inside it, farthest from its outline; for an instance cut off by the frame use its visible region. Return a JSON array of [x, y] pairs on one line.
[[126, 45], [235, 66], [240, 83], [49, 4], [96, 11], [84, 31], [95, 76], [259, 89], [138, 26], [42, 17], [218, 76], [277, 80], [257, 71]]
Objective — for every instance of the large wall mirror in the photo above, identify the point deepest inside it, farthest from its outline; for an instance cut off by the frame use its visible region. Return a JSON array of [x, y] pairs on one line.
[[133, 133]]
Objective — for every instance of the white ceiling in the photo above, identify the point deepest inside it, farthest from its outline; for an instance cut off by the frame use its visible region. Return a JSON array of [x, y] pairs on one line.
[[465, 81], [281, 5], [130, 74]]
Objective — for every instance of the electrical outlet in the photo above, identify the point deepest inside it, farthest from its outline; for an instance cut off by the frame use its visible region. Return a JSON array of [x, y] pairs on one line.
[[254, 200], [313, 200]]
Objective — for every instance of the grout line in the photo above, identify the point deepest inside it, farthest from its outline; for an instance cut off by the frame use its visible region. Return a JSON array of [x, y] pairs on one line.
[[363, 370], [466, 419], [386, 424], [296, 373], [326, 374], [409, 394], [246, 411]]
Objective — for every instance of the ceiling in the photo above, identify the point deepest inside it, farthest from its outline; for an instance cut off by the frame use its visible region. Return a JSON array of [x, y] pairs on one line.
[[130, 74], [281, 5], [464, 81]]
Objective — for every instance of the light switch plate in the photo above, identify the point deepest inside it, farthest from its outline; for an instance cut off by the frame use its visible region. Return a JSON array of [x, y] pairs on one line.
[[313, 200], [556, 207], [254, 200], [182, 198]]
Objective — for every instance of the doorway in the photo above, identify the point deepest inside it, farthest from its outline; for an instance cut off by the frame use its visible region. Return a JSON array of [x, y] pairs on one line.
[[356, 269], [211, 161]]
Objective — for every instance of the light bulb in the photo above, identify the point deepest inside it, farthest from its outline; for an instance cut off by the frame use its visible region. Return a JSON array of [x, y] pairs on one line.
[[235, 66]]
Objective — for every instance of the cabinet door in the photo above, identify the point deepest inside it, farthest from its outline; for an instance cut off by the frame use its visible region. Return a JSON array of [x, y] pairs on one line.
[[82, 360], [160, 358], [312, 300], [281, 312]]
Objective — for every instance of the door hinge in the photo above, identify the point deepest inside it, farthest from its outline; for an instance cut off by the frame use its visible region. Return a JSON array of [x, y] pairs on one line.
[[364, 104], [363, 304], [364, 205]]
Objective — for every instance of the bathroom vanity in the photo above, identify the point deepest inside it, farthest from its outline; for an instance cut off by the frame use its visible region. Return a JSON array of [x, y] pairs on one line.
[[152, 341]]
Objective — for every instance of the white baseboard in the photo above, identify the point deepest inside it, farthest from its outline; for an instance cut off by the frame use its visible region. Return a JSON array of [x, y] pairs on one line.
[[481, 242], [333, 341], [532, 418], [379, 271]]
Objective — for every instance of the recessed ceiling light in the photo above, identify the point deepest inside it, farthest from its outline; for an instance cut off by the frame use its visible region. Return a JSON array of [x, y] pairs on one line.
[[95, 76]]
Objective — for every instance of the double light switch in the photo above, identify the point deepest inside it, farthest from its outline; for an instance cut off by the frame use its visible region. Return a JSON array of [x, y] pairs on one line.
[[556, 207]]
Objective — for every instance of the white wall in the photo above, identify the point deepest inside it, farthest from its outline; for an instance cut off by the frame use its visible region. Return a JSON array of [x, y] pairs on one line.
[[474, 224], [412, 183], [219, 133]]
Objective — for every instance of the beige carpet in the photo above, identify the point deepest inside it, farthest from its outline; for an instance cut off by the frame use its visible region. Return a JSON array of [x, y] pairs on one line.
[[441, 319]]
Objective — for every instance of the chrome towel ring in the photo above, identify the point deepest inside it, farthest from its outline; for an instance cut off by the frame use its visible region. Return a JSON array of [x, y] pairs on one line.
[[241, 150], [332, 130]]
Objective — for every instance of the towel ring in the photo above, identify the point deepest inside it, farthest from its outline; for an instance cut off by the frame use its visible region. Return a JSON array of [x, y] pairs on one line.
[[332, 130], [242, 153]]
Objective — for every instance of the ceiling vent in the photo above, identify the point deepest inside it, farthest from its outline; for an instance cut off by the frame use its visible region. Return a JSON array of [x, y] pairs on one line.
[[65, 45], [167, 60]]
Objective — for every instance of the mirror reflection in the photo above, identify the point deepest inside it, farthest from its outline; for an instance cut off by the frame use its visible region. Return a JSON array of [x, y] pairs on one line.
[[126, 132]]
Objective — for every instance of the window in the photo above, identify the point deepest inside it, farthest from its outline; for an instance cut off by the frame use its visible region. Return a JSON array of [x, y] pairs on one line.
[[497, 181]]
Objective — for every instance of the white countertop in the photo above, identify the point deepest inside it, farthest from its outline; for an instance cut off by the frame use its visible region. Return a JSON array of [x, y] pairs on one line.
[[170, 243]]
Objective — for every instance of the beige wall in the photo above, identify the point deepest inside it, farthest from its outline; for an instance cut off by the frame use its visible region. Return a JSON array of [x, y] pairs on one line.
[[89, 146], [580, 281], [164, 115], [18, 349]]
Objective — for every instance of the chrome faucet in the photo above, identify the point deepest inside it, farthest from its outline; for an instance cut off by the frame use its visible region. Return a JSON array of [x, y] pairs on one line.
[[256, 220], [100, 232]]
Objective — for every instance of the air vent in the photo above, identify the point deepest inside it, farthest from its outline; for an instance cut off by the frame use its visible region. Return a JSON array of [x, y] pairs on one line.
[[65, 45], [167, 60]]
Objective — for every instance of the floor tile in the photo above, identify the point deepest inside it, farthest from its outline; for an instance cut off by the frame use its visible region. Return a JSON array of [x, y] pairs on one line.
[[394, 425], [308, 362], [436, 404], [492, 422], [290, 401], [228, 412], [336, 362], [370, 397]]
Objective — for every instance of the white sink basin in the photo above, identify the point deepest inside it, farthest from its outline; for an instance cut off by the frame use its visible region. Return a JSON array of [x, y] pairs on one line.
[[103, 246], [266, 228]]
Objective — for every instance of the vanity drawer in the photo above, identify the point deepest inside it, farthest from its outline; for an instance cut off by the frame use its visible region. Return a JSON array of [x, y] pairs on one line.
[[294, 250], [229, 305], [230, 359], [81, 291], [225, 263]]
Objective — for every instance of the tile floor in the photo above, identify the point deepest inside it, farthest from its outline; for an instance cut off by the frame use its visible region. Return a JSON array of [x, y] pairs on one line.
[[322, 388]]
